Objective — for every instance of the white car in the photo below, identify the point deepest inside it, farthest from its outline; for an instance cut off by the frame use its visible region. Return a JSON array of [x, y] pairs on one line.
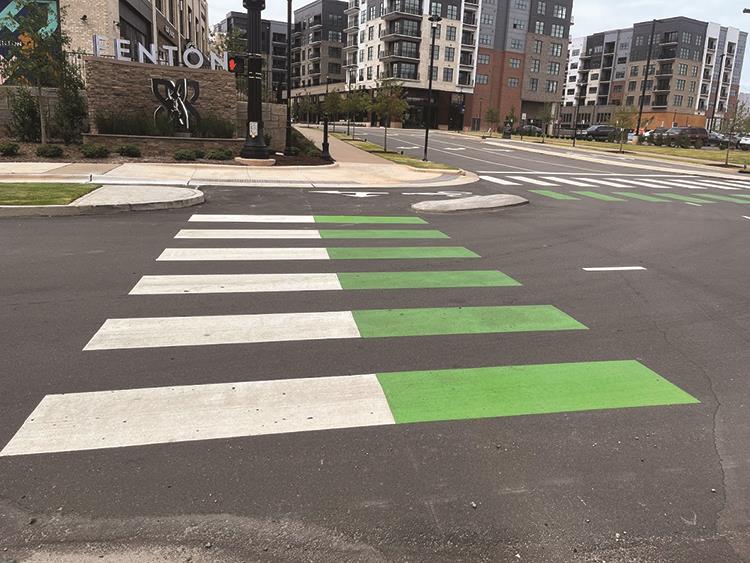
[[744, 143]]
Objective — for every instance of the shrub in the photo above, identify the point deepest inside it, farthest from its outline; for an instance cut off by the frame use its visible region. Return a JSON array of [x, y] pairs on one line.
[[131, 151], [49, 151], [69, 118], [199, 153], [213, 127], [24, 116], [184, 155], [8, 149], [219, 154], [120, 123], [94, 151], [302, 145]]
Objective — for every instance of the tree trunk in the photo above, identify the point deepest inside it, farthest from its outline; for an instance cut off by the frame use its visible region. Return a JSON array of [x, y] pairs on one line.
[[385, 139], [42, 114]]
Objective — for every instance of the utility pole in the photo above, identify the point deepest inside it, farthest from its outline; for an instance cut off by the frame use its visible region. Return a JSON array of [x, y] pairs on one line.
[[645, 77], [288, 148], [255, 145], [434, 21]]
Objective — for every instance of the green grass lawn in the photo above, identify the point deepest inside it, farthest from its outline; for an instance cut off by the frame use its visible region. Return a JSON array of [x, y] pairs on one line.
[[398, 158], [42, 194]]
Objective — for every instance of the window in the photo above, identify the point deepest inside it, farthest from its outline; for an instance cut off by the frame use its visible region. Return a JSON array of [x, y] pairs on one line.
[[538, 47], [450, 33], [555, 50], [436, 53], [680, 85], [369, 73], [684, 53], [519, 24], [692, 87], [552, 86], [576, 52], [632, 86], [678, 101], [535, 65], [485, 39], [539, 28], [557, 30], [515, 63], [512, 82], [687, 38], [434, 72], [452, 12], [370, 33], [691, 101], [541, 8], [534, 84], [682, 69], [334, 36], [694, 72], [482, 79], [699, 40], [516, 44], [436, 9], [487, 19], [629, 100], [369, 53], [521, 4], [619, 75], [595, 76], [553, 68], [450, 54], [623, 46], [482, 59], [639, 41], [560, 11], [448, 75]]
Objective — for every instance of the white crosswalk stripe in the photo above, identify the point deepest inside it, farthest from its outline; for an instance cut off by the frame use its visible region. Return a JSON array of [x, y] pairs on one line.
[[235, 254], [657, 184], [609, 183], [534, 181], [576, 183], [234, 283], [498, 181], [679, 184], [713, 184]]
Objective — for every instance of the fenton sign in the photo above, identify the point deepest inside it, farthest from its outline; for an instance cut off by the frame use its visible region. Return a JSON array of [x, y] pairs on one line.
[[190, 57]]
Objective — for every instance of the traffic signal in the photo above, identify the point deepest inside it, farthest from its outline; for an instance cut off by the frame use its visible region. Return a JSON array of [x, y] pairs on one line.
[[237, 65]]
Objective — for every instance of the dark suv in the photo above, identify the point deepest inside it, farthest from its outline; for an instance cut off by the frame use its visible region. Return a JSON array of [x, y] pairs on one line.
[[600, 133], [696, 136]]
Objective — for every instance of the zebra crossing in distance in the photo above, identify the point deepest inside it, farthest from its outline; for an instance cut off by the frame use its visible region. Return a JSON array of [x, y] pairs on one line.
[[161, 415]]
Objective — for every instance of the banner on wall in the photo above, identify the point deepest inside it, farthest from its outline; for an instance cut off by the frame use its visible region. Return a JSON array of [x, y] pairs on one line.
[[11, 11]]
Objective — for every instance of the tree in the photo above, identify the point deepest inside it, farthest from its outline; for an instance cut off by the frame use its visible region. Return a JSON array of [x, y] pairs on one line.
[[333, 105], [510, 119], [739, 121], [390, 103], [546, 116], [624, 118], [38, 59], [493, 118], [356, 103]]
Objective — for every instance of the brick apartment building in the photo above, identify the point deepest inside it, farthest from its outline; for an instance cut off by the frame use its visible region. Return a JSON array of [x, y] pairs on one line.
[[693, 79]]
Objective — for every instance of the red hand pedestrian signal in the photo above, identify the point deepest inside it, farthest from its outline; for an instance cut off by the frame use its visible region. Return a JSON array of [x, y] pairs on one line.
[[237, 65]]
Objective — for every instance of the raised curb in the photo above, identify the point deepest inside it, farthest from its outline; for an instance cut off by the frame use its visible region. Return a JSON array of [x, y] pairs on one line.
[[456, 171], [71, 210], [474, 203]]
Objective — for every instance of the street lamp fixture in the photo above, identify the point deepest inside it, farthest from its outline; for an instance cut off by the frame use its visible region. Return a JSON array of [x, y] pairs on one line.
[[434, 22], [255, 144]]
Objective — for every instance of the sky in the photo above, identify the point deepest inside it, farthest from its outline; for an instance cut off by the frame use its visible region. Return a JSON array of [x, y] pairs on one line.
[[591, 16]]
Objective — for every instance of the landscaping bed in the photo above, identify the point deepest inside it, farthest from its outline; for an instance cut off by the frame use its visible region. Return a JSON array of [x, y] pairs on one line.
[[42, 193]]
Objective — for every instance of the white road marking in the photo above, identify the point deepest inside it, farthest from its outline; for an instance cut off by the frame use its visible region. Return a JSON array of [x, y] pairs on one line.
[[201, 218], [693, 204], [656, 184], [746, 217], [248, 234], [232, 254], [607, 183], [455, 148], [349, 194], [615, 269], [444, 193], [160, 332], [740, 183], [569, 182], [235, 283], [534, 181], [160, 415], [498, 181], [406, 148], [679, 184], [715, 184]]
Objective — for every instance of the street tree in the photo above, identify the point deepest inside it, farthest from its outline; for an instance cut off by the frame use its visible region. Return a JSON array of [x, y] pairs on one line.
[[333, 105], [39, 59], [736, 122], [390, 103], [546, 116], [356, 103], [624, 119], [493, 118]]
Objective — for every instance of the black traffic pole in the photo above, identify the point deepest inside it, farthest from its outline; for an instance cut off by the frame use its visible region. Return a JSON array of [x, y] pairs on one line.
[[434, 20], [288, 148], [255, 144], [326, 146], [645, 77]]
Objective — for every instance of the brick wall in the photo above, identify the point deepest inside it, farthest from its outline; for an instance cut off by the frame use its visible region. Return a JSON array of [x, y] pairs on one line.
[[122, 86], [49, 101], [274, 123]]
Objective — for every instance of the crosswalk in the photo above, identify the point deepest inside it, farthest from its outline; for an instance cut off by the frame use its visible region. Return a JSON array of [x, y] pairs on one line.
[[115, 418]]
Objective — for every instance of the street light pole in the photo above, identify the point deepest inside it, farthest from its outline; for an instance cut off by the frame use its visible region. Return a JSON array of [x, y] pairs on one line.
[[434, 21], [255, 144], [326, 146], [288, 149], [718, 91], [645, 77]]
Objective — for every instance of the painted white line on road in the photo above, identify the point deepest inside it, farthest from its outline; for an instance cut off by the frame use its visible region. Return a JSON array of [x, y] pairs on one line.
[[569, 182], [659, 185], [677, 184], [406, 148], [234, 283], [740, 183], [455, 148], [137, 417], [614, 269], [498, 181], [159, 332], [746, 217], [207, 218], [717, 185], [607, 183], [534, 181], [693, 204], [233, 254], [248, 234]]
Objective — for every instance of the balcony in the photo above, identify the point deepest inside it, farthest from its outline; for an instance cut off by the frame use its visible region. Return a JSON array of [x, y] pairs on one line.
[[396, 31], [465, 81], [465, 60], [402, 10], [353, 7], [396, 53], [470, 19], [666, 55], [352, 26], [669, 39], [401, 75]]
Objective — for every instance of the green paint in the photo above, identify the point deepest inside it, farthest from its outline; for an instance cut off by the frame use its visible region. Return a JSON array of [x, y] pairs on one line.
[[378, 323], [423, 396], [600, 197], [741, 195], [554, 195], [642, 197], [400, 253], [369, 220], [380, 233], [688, 198], [731, 199], [406, 280]]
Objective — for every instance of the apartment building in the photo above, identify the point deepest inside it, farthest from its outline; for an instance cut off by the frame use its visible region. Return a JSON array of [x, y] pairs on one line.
[[273, 48], [693, 77], [177, 23], [318, 43]]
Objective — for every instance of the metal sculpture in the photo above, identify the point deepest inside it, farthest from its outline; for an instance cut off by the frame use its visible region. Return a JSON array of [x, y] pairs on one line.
[[176, 100]]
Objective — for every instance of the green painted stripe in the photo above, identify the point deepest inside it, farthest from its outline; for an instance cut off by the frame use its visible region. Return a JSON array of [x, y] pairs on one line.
[[600, 197], [642, 197], [423, 396], [369, 219], [400, 253], [731, 199], [554, 195], [741, 195], [688, 198], [406, 280], [377, 323], [380, 233]]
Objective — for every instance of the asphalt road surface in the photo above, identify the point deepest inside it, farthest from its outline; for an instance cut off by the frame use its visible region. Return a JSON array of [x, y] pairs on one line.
[[503, 402]]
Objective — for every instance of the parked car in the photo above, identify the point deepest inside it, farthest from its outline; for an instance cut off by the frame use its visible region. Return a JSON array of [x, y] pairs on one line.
[[716, 139], [697, 136], [599, 133], [530, 130], [649, 135], [743, 143]]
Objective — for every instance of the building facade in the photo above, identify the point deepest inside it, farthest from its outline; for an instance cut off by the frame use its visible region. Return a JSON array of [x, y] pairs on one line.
[[693, 77], [318, 43]]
